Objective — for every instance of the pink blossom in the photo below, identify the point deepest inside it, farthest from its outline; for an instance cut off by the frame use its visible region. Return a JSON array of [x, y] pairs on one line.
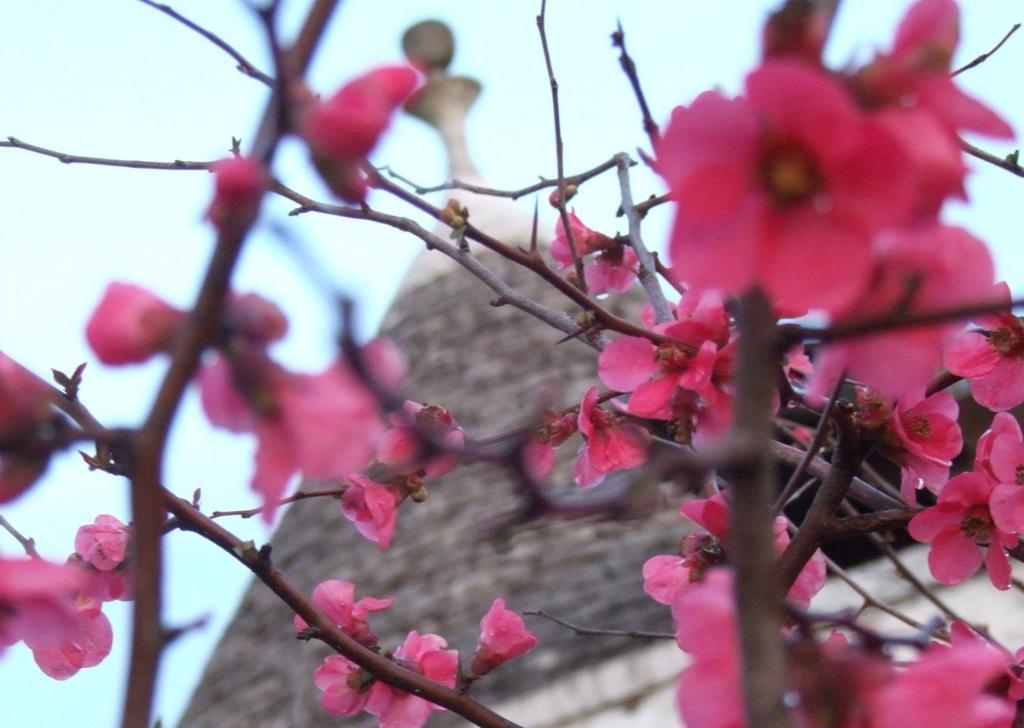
[[345, 128], [324, 425], [992, 358], [775, 184], [24, 410], [925, 268], [1003, 425], [372, 507], [963, 534], [539, 452], [238, 187], [336, 599], [87, 646], [426, 655], [130, 324], [923, 436], [37, 600], [665, 576], [1007, 499], [253, 317], [103, 543], [614, 266], [715, 515], [586, 240], [345, 686], [503, 637], [399, 447], [609, 443], [945, 687]]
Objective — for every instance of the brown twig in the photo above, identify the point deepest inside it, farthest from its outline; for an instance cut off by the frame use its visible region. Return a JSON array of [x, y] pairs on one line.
[[985, 56], [594, 631], [29, 544], [869, 600], [646, 262], [629, 68], [297, 496], [827, 500], [758, 589], [581, 280], [1009, 162], [817, 441], [858, 525], [244, 65], [65, 158]]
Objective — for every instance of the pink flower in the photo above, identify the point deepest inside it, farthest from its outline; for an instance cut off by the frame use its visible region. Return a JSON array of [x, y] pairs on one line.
[[715, 515], [923, 436], [37, 600], [254, 318], [25, 415], [87, 646], [946, 686], [609, 443], [587, 241], [1007, 500], [1003, 425], [665, 576], [238, 187], [926, 268], [503, 637], [343, 130], [336, 599], [399, 447], [789, 179], [539, 452], [992, 358], [103, 543], [130, 324], [654, 372], [372, 507], [708, 694], [324, 425], [963, 534], [614, 265], [347, 689]]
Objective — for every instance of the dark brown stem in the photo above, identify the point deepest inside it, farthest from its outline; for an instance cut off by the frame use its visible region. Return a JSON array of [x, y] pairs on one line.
[[243, 63], [985, 56], [629, 68], [820, 435], [758, 590], [826, 501], [581, 280], [299, 495], [852, 526], [594, 631]]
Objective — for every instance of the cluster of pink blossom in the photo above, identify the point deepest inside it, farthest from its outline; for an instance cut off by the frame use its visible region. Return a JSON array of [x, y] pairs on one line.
[[348, 689], [824, 188], [665, 577], [834, 682], [979, 514]]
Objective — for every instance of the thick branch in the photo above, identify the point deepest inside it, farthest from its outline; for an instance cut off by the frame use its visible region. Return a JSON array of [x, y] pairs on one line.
[[758, 591]]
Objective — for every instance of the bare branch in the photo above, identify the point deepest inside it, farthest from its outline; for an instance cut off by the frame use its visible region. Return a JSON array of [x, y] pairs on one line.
[[646, 274], [985, 56], [629, 68], [589, 631]]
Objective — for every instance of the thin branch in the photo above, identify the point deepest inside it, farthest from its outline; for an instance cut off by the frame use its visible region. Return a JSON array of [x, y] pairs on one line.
[[860, 491], [646, 274], [1009, 162], [817, 441], [244, 65], [869, 600], [851, 526], [826, 501], [651, 202], [985, 56], [29, 544], [894, 320], [559, 152], [454, 184], [629, 68], [177, 164], [297, 496], [594, 631]]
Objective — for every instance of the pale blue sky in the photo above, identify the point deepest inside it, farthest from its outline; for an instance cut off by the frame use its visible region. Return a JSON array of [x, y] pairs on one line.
[[115, 78]]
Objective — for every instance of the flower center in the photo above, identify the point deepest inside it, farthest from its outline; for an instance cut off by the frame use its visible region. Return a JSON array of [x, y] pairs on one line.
[[790, 174], [1005, 341], [671, 355], [977, 524], [919, 427]]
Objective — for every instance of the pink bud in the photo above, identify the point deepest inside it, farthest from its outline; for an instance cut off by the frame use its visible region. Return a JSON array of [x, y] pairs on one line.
[[130, 324], [503, 637], [238, 187], [103, 543]]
